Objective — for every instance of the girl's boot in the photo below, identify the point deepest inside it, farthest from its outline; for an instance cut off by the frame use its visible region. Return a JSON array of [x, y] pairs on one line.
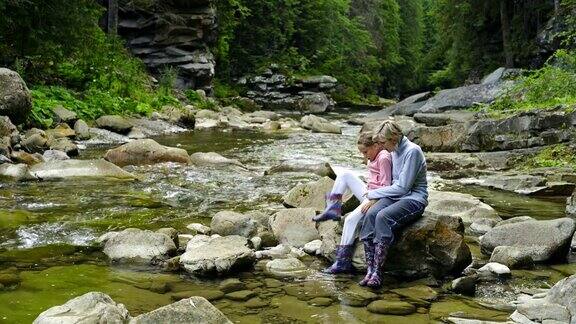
[[333, 209], [380, 253], [343, 263], [369, 255]]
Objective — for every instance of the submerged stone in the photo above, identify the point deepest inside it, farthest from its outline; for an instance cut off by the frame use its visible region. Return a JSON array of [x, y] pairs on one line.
[[391, 307]]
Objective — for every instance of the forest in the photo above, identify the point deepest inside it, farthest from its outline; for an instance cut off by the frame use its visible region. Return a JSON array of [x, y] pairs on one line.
[[375, 48]]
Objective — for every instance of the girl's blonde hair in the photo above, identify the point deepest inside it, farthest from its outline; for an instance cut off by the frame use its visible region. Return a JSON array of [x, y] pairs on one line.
[[366, 138], [388, 131]]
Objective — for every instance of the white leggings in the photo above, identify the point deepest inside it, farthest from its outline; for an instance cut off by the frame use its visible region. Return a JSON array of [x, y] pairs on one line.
[[348, 180]]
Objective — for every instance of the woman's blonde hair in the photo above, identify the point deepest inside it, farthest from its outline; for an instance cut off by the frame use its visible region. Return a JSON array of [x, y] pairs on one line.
[[388, 131], [366, 139]]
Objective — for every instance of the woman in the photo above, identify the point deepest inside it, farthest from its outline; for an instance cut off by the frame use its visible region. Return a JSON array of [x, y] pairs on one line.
[[394, 206]]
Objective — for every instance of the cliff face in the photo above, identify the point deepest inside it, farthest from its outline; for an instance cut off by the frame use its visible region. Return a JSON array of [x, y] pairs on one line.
[[173, 33]]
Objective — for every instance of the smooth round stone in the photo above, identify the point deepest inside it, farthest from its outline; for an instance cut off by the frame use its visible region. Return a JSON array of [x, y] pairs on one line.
[[273, 283], [290, 267], [254, 285], [231, 285], [320, 301], [256, 303], [242, 295], [391, 307], [417, 292], [357, 297]]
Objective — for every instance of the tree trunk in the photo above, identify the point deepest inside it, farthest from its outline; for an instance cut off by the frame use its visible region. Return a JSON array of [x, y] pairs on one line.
[[505, 22], [112, 21]]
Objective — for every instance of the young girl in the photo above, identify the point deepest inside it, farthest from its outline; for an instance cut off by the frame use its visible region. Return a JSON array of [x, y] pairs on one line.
[[379, 175]]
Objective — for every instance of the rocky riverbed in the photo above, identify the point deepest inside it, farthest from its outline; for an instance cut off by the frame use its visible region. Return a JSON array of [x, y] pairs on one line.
[[233, 227]]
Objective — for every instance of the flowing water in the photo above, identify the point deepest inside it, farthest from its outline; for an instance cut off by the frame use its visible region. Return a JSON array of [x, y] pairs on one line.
[[47, 230]]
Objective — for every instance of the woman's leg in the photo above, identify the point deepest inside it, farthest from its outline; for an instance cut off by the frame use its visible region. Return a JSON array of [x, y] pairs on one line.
[[388, 220], [345, 180], [350, 224]]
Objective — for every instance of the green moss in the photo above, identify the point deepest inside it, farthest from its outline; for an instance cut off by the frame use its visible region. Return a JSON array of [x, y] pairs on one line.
[[559, 155]]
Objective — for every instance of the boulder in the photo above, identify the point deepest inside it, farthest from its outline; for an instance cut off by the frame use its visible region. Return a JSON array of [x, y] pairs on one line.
[[15, 98], [407, 107], [69, 169], [527, 184], [92, 307], [571, 205], [35, 141], [26, 158], [15, 172], [446, 138], [60, 131], [145, 151], [315, 103], [319, 125], [231, 223], [294, 226], [114, 123], [214, 159], [464, 97], [464, 285], [54, 155], [63, 144], [433, 245], [198, 228], [289, 267], [218, 254], [492, 271], [512, 256], [63, 115], [321, 169], [6, 127], [309, 195], [191, 310], [82, 130], [137, 246], [558, 306], [546, 240], [454, 204]]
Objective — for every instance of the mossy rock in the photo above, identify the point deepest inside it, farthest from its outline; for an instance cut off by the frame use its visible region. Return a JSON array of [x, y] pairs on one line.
[[391, 307], [242, 295]]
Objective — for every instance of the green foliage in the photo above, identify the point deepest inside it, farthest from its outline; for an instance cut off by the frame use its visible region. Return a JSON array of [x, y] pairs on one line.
[[545, 88], [64, 56], [555, 156], [199, 101]]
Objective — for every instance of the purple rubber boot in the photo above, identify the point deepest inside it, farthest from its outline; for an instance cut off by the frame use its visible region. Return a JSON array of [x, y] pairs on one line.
[[369, 255], [380, 253], [343, 263], [333, 209]]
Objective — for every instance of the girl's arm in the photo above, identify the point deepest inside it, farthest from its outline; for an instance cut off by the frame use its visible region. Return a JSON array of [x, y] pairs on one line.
[[385, 167]]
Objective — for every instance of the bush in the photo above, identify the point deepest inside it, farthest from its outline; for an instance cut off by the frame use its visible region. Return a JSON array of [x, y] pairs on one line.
[[556, 156], [545, 88], [198, 101]]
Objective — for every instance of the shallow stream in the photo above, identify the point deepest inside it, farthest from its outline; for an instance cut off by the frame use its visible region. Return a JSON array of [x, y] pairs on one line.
[[46, 229]]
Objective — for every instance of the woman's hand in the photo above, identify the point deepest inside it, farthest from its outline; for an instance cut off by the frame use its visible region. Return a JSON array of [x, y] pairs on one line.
[[367, 205]]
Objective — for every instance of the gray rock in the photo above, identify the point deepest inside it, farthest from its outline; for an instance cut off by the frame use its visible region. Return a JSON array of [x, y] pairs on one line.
[[562, 293], [518, 219], [82, 130], [525, 184], [454, 204], [446, 118], [493, 270], [438, 139], [199, 228], [391, 307], [482, 226], [35, 141], [294, 227], [191, 310], [465, 285], [540, 312], [571, 205], [242, 295], [219, 254], [63, 115], [65, 145], [137, 246], [15, 98], [6, 127], [92, 307], [321, 169], [313, 247], [115, 124], [464, 97], [264, 114], [214, 159], [15, 172], [547, 240], [230, 285], [315, 103], [309, 195], [407, 107], [26, 158], [500, 74], [144, 152], [512, 256], [319, 125], [290, 267], [431, 246], [70, 169], [231, 223], [357, 297], [55, 155]]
